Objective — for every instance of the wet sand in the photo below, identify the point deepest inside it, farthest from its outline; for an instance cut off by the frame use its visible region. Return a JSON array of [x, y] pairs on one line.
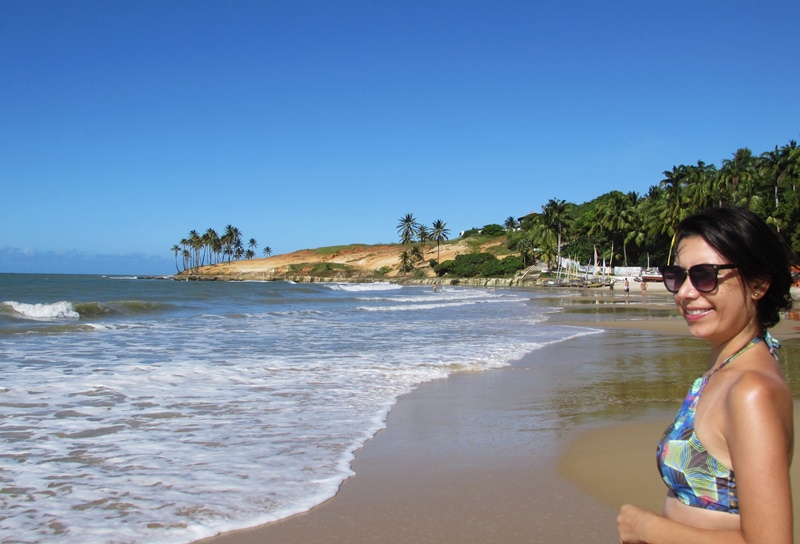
[[543, 451]]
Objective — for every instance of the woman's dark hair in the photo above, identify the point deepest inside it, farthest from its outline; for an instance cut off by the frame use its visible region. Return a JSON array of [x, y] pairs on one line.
[[757, 251]]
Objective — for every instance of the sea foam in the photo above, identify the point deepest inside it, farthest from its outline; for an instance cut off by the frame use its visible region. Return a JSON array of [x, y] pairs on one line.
[[55, 310], [362, 287], [197, 407]]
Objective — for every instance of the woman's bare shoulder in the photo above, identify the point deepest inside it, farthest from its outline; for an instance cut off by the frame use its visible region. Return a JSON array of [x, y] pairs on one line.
[[760, 395]]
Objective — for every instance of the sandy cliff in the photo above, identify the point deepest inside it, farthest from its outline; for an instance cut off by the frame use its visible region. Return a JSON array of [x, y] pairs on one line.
[[348, 262]]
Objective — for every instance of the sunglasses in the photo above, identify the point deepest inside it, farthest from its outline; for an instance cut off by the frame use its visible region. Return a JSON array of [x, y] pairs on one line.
[[704, 277]]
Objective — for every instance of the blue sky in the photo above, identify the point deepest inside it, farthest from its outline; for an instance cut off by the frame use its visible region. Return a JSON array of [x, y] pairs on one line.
[[126, 124]]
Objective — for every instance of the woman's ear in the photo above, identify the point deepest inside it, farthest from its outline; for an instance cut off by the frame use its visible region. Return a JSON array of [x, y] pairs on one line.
[[758, 288]]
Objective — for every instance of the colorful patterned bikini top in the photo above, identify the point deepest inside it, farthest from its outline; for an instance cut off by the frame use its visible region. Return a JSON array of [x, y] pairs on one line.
[[692, 474]]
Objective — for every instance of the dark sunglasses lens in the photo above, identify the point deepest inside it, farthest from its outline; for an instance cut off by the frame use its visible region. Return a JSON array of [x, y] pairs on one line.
[[674, 276], [704, 278]]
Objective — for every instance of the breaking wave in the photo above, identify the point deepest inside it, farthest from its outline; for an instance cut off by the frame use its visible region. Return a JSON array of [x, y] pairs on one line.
[[68, 310], [42, 312]]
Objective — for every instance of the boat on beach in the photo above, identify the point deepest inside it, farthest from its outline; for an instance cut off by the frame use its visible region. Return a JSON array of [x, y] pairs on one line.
[[652, 275], [581, 283], [578, 276]]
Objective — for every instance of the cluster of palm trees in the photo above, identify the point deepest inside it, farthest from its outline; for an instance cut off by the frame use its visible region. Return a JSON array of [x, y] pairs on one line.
[[631, 229], [621, 228], [210, 248], [412, 231]]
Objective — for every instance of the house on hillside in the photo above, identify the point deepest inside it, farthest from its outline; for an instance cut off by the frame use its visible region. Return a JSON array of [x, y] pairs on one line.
[[529, 216]]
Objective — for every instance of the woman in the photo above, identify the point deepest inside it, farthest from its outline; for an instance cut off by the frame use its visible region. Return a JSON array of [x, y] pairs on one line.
[[726, 457]]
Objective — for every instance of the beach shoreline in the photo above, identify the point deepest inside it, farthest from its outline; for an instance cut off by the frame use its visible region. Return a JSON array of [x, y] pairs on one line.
[[543, 450]]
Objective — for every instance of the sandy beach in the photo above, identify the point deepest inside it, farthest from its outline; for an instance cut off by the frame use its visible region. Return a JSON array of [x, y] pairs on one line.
[[545, 450]]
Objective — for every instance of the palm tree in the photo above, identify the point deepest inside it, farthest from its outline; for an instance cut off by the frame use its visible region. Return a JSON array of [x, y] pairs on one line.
[[424, 235], [673, 203], [210, 248], [737, 171], [548, 228], [184, 243], [267, 251], [637, 230], [511, 223], [616, 215], [439, 234], [216, 248], [176, 249], [196, 243], [232, 245], [555, 211], [790, 157], [238, 246], [407, 229], [788, 179], [227, 242], [543, 239], [780, 168], [770, 171], [700, 188], [525, 246], [406, 262], [210, 238], [547, 252]]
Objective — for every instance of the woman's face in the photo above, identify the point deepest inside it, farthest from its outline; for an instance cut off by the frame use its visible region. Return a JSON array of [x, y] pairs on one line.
[[722, 314]]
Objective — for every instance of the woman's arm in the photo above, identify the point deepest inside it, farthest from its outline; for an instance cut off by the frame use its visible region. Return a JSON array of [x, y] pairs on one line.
[[759, 433], [639, 526]]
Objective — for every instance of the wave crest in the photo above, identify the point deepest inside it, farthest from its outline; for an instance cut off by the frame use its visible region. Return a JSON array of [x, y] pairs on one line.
[[361, 287], [54, 310], [119, 307]]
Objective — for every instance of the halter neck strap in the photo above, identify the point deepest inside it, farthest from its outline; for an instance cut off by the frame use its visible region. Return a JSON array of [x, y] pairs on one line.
[[749, 345]]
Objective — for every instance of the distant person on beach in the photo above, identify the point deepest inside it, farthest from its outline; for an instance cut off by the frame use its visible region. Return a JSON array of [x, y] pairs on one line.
[[643, 285], [627, 287], [725, 459]]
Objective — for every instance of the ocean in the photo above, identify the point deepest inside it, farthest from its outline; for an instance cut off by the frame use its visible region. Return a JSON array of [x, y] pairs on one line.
[[159, 412]]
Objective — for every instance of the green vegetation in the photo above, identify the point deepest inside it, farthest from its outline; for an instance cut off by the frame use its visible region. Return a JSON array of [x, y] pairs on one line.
[[480, 264], [633, 230], [330, 250], [325, 269], [499, 251], [493, 229]]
